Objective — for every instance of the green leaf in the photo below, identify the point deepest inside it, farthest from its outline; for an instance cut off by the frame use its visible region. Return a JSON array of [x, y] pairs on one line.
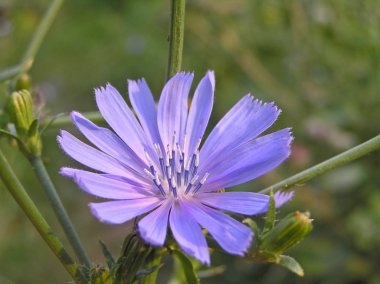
[[142, 274], [101, 277], [33, 129], [152, 266], [188, 269], [270, 217], [107, 254], [291, 264]]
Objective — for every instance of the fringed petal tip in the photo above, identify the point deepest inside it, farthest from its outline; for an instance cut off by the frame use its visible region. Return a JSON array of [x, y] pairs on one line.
[[60, 139], [261, 104], [289, 139], [104, 90], [282, 197]]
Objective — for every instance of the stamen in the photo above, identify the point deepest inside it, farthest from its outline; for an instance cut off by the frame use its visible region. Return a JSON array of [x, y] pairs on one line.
[[174, 188], [181, 158], [156, 181], [179, 175], [192, 182], [160, 157], [148, 173], [201, 182], [158, 150], [180, 154], [170, 154], [180, 169], [170, 179], [187, 168], [150, 163], [196, 163], [170, 173], [167, 165]]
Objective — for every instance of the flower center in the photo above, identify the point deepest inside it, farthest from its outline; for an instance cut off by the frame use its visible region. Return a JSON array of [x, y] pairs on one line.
[[178, 172]]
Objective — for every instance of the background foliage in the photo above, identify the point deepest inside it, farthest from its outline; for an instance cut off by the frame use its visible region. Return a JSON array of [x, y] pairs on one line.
[[320, 62]]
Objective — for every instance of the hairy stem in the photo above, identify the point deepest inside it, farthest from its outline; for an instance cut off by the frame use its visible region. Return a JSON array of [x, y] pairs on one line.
[[27, 205], [176, 36], [328, 165], [59, 210]]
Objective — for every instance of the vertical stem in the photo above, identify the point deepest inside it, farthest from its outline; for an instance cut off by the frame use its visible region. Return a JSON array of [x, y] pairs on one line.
[[59, 210], [328, 165], [27, 205], [38, 37], [176, 36]]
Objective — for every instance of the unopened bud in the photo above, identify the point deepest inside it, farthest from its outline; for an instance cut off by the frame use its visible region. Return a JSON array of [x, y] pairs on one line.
[[25, 121], [21, 110], [287, 233]]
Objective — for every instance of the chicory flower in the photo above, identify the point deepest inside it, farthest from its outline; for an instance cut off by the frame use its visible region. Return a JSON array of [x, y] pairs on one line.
[[155, 168]]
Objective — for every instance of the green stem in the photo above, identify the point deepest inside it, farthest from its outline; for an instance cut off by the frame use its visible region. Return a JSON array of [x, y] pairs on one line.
[[176, 36], [328, 165], [35, 43], [59, 210], [12, 71], [27, 205]]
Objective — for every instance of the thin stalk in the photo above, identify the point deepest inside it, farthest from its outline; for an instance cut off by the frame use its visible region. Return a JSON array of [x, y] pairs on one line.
[[35, 43], [12, 71], [27, 205], [59, 210], [328, 165], [176, 36]]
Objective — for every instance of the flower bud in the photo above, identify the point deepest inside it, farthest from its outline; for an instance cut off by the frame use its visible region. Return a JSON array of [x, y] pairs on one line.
[[25, 121], [21, 110], [287, 233]]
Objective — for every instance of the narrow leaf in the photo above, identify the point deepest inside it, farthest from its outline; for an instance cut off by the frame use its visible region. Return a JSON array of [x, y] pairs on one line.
[[142, 274], [188, 269], [107, 254], [270, 217], [33, 129]]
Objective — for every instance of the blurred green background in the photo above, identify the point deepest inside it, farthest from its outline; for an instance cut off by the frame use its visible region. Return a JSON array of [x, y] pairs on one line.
[[318, 60]]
